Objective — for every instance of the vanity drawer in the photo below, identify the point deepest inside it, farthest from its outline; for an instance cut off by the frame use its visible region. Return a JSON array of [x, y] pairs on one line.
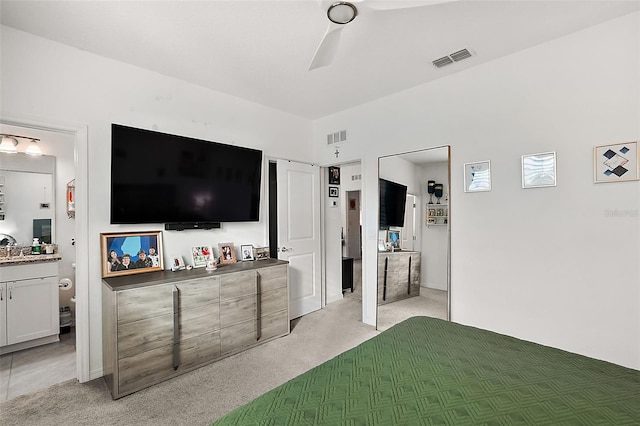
[[28, 271]]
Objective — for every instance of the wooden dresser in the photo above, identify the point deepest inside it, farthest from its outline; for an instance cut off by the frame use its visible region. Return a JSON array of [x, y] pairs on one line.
[[162, 324], [398, 275]]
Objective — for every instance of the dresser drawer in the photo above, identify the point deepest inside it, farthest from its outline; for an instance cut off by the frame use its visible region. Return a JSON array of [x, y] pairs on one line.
[[237, 284], [272, 277]]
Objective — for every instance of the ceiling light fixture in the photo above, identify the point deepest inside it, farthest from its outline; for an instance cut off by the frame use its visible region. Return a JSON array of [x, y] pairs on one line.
[[33, 148], [9, 144], [342, 12]]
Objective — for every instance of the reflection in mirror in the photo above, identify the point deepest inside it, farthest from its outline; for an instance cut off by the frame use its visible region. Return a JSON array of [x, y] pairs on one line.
[[28, 199], [413, 256]]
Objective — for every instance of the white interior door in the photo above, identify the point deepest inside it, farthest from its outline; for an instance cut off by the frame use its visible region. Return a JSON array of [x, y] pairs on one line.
[[299, 233], [409, 229]]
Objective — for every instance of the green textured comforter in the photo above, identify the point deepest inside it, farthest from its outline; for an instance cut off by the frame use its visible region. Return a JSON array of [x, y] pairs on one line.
[[427, 371]]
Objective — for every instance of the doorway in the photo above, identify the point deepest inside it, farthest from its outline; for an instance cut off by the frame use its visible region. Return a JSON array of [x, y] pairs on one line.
[[67, 355]]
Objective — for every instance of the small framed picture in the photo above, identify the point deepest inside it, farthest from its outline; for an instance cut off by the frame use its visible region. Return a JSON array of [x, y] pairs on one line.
[[227, 253], [333, 191], [615, 163], [177, 263], [539, 170], [126, 253], [247, 252], [262, 253], [334, 175], [393, 238], [200, 255], [477, 176]]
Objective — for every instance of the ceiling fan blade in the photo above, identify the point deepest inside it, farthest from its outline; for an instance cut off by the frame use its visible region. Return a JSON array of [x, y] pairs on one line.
[[376, 5], [328, 47]]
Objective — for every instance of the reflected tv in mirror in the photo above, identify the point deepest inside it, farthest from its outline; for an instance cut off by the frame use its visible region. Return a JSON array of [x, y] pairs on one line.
[[392, 203], [162, 178]]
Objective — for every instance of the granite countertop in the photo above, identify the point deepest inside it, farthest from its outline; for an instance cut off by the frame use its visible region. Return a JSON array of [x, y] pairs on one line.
[[30, 258]]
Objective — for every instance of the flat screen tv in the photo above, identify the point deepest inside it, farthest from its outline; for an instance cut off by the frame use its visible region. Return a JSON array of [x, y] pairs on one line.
[[393, 197], [162, 178]]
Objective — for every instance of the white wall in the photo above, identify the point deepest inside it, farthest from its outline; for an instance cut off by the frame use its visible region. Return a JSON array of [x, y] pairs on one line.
[[434, 238], [551, 265], [51, 82]]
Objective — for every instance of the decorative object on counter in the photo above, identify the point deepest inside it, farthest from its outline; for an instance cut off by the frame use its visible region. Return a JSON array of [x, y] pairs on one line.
[[131, 253], [211, 265], [477, 176], [71, 199], [177, 263], [431, 188], [247, 252], [227, 253], [262, 253], [35, 246], [200, 255], [539, 170], [616, 163], [393, 238], [438, 191]]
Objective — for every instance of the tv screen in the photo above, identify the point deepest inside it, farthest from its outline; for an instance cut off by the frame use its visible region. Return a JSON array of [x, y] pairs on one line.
[[392, 203], [162, 178]]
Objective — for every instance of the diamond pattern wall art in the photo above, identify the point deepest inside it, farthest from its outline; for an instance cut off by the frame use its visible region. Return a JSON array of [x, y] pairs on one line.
[[616, 163]]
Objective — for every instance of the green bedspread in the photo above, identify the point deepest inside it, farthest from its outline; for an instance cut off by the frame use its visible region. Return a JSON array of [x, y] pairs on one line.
[[426, 371]]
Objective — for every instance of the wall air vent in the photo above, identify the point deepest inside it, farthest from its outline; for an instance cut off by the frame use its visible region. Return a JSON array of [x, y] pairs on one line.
[[333, 138], [452, 57]]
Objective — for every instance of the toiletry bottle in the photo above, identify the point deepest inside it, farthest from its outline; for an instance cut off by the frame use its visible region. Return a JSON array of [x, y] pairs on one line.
[[35, 246]]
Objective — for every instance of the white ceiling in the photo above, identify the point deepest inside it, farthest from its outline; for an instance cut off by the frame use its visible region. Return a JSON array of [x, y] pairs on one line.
[[261, 50]]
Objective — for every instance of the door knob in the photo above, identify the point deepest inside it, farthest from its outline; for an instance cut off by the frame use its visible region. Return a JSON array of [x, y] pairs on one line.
[[284, 249]]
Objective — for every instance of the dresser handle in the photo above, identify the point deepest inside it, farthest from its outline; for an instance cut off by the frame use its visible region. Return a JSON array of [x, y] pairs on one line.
[[176, 328], [409, 277], [384, 286], [258, 308]]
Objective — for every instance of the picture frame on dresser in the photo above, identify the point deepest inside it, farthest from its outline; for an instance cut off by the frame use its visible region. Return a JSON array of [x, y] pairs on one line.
[[200, 255], [126, 253], [247, 252], [227, 253]]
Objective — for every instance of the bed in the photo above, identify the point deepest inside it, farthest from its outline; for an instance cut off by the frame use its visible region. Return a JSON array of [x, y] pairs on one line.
[[427, 371]]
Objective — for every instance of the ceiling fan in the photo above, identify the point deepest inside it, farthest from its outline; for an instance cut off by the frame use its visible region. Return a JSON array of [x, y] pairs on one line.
[[340, 13]]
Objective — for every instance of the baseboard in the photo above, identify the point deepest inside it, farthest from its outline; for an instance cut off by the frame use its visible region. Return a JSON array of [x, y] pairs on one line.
[[335, 298]]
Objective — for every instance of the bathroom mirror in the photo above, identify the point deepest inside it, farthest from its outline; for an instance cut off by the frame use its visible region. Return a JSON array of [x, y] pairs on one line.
[[27, 196]]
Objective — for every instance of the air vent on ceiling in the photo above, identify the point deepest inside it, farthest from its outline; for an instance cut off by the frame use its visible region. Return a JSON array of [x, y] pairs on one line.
[[452, 57]]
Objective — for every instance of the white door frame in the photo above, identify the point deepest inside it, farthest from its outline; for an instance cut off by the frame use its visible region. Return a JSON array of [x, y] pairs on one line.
[[81, 148]]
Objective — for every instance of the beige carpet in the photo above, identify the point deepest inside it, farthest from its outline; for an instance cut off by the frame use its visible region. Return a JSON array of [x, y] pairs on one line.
[[203, 395]]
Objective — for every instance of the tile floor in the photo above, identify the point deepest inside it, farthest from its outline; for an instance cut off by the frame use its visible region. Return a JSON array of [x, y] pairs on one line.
[[37, 368]]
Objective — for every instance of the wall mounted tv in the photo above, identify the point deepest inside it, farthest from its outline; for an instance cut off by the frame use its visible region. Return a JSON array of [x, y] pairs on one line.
[[392, 203], [162, 178]]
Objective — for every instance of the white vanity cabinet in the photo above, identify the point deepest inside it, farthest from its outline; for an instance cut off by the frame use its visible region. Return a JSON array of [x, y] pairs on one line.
[[29, 314]]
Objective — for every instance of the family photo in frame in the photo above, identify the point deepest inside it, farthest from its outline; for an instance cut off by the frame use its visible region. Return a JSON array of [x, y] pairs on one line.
[[227, 253], [200, 255], [126, 253]]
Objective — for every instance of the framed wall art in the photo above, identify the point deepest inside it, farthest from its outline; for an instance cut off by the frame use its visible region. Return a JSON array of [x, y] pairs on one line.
[[539, 170], [477, 176], [200, 255], [616, 162], [334, 175], [227, 253], [126, 253], [333, 192]]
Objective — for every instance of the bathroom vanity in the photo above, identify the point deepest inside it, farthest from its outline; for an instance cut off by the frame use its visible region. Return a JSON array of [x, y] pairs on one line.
[[29, 314]]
